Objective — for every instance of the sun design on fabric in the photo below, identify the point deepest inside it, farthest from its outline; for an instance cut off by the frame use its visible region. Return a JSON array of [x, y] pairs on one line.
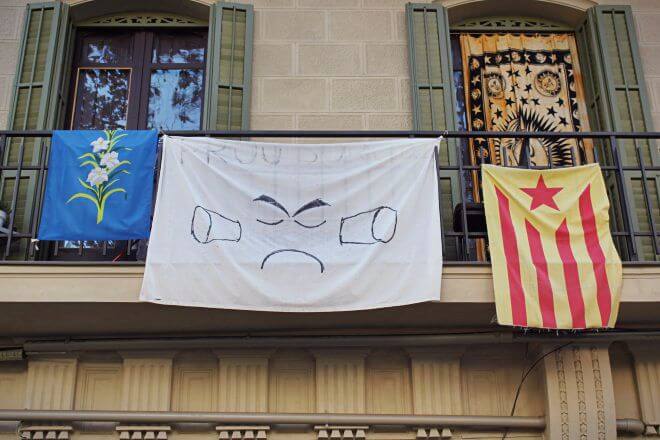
[[548, 83], [494, 85]]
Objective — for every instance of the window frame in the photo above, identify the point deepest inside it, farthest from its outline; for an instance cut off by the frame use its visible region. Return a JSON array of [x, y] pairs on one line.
[[140, 65]]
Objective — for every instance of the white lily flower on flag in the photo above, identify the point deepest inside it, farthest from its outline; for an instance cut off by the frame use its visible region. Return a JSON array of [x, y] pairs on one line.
[[97, 176], [110, 160], [100, 145]]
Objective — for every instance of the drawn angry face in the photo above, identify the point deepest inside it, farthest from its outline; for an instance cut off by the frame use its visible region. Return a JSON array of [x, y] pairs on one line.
[[281, 228], [278, 218]]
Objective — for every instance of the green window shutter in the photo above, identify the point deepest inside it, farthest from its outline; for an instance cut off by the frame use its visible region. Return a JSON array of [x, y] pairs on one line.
[[617, 101], [36, 105], [229, 71], [433, 96], [430, 67]]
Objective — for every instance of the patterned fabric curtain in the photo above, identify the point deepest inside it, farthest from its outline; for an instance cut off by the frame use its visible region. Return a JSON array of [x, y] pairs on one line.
[[516, 82]]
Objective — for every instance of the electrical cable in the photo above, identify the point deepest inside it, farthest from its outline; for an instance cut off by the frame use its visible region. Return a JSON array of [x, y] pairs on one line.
[[524, 376]]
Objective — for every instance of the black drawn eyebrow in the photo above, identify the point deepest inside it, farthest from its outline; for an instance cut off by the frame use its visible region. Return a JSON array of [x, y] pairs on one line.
[[316, 203], [272, 201]]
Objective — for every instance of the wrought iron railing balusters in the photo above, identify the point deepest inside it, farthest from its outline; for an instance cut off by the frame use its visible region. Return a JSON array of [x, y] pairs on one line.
[[627, 231]]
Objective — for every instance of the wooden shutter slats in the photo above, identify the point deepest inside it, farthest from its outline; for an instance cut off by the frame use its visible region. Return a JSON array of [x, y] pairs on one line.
[[229, 72]]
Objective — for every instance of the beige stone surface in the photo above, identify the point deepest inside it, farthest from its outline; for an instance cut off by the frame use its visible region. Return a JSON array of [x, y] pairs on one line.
[[293, 25], [334, 39], [364, 95], [387, 59], [275, 59], [50, 383], [581, 383], [331, 121], [146, 381], [394, 121], [360, 26], [579, 393], [330, 60], [121, 284], [294, 95]]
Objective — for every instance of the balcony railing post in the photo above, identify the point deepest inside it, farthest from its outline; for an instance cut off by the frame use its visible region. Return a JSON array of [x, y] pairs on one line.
[[647, 199], [628, 229], [14, 197], [436, 154], [3, 142], [620, 178], [461, 184]]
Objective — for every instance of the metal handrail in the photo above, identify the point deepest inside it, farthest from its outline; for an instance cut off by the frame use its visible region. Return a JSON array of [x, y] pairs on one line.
[[463, 239], [380, 133], [466, 422]]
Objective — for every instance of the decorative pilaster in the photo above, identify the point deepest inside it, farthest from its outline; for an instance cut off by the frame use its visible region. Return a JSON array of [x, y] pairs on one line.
[[242, 432], [436, 380], [147, 381], [51, 383], [328, 432], [340, 384], [647, 372], [579, 393], [243, 380]]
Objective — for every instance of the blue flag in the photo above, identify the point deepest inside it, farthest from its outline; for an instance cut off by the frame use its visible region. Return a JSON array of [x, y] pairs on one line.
[[99, 185]]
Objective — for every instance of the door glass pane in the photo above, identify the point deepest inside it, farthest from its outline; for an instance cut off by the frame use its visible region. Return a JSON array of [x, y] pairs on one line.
[[175, 99], [175, 47], [101, 99], [106, 48]]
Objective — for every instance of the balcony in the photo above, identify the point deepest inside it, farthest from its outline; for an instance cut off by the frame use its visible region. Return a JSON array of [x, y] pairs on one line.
[[45, 281]]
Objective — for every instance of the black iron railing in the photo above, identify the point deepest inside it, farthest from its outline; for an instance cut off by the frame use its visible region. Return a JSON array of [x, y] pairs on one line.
[[630, 163]]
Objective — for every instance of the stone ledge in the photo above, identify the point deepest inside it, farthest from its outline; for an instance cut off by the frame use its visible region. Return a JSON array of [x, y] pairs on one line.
[[50, 283]]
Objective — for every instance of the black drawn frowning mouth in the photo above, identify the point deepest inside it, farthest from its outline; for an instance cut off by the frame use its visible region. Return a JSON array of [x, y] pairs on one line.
[[297, 251]]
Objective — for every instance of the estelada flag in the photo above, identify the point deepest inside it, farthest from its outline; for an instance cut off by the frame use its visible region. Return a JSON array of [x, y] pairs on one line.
[[554, 262]]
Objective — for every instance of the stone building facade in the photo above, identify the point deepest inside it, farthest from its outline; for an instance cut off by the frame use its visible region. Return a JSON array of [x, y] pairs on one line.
[[322, 65]]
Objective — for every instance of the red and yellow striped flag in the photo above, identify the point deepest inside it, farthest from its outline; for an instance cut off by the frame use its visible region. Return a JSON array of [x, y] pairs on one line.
[[554, 261]]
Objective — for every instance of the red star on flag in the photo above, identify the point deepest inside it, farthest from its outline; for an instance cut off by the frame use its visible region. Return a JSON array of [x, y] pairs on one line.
[[542, 195]]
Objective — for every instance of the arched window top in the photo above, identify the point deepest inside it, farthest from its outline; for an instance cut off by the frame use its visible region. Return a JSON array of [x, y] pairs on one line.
[[145, 13], [504, 15], [143, 19], [506, 24]]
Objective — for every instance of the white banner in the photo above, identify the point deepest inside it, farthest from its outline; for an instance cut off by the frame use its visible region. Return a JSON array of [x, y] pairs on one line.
[[295, 228]]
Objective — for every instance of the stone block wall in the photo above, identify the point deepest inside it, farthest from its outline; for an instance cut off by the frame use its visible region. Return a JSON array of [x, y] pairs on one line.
[[333, 64]]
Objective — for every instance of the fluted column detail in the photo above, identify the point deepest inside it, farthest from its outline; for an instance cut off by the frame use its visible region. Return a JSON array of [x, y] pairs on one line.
[[647, 372], [147, 381], [579, 393], [436, 380], [51, 383], [340, 380], [243, 380]]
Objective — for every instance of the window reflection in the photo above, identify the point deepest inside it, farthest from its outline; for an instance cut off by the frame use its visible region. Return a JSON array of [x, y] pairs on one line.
[[86, 244], [178, 48], [106, 49], [101, 99], [175, 99]]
